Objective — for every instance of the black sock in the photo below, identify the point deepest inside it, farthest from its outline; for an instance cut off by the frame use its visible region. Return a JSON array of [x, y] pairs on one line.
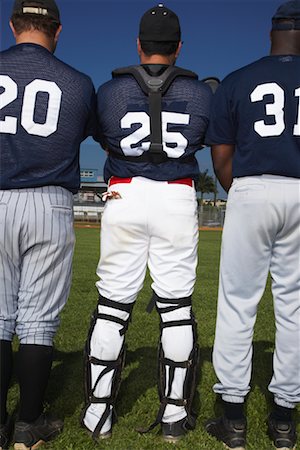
[[233, 411], [33, 368], [5, 376], [281, 413]]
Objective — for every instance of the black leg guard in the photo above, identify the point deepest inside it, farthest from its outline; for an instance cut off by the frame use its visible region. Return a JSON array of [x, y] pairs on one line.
[[192, 366], [115, 366]]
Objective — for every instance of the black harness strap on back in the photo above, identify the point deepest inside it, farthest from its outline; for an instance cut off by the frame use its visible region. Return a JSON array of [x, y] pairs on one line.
[[155, 87]]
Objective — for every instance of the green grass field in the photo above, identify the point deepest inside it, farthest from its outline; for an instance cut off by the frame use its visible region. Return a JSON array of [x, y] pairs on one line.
[[138, 401]]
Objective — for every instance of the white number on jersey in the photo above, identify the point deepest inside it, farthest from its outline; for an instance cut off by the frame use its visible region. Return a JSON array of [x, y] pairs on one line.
[[10, 93], [297, 125], [143, 119], [274, 109]]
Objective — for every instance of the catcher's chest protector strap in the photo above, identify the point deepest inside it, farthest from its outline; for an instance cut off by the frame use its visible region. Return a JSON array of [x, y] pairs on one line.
[[155, 86]]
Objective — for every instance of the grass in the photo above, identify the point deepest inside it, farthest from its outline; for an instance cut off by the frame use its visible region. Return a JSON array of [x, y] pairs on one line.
[[138, 402]]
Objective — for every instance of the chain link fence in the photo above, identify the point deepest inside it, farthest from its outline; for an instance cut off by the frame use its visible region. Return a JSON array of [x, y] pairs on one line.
[[211, 216], [208, 215]]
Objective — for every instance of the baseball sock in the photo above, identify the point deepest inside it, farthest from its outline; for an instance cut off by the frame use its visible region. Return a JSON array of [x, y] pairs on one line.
[[233, 411], [33, 367], [281, 413], [5, 376]]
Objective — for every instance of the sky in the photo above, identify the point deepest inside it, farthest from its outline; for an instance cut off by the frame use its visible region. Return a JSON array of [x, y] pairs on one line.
[[219, 36]]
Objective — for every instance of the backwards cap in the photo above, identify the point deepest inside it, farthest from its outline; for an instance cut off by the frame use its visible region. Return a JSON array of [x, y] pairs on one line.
[[287, 16], [47, 8], [159, 24]]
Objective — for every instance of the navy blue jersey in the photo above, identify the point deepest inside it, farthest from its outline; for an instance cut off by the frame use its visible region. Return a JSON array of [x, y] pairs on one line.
[[47, 109], [257, 109], [124, 127]]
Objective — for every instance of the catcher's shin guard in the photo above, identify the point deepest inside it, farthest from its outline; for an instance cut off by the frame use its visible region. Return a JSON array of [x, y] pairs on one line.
[[93, 376], [165, 381]]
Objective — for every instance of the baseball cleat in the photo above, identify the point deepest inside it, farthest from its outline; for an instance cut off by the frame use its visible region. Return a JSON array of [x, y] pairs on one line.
[[5, 433], [231, 432], [30, 436], [172, 432], [283, 434], [103, 436]]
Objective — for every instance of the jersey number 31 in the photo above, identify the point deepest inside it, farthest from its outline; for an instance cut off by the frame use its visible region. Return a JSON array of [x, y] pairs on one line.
[[275, 109]]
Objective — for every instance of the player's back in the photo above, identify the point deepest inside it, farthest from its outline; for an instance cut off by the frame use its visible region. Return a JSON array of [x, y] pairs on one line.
[[123, 111], [46, 111], [264, 98]]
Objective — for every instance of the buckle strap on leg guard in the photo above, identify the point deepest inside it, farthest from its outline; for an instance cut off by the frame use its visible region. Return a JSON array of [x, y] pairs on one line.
[[166, 400], [178, 303], [127, 307], [190, 382], [115, 366], [176, 323]]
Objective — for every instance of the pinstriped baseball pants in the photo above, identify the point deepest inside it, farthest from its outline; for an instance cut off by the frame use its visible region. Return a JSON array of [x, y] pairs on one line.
[[36, 250]]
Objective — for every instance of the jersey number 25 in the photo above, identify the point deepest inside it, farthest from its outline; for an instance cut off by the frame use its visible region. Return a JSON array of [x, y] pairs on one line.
[[177, 142]]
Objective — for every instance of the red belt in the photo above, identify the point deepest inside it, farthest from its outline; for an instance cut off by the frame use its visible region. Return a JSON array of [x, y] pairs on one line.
[[115, 180]]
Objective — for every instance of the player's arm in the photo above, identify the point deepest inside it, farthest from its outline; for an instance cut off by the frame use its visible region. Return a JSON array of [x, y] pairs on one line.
[[222, 155]]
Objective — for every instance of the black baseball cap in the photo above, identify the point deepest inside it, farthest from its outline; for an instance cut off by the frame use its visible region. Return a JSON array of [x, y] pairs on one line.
[[47, 8], [287, 16], [159, 24]]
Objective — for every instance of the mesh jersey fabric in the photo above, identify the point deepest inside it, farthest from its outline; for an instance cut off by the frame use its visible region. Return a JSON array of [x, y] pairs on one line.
[[257, 109], [48, 108], [124, 126]]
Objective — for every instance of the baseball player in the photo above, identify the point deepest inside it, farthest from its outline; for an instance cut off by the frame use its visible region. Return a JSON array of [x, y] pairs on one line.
[[47, 109], [152, 120], [255, 137]]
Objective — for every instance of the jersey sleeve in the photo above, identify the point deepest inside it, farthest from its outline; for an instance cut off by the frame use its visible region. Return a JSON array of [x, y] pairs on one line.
[[105, 98], [202, 114], [91, 124], [221, 128]]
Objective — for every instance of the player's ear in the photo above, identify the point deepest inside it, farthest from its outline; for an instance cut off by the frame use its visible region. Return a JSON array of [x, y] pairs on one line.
[[139, 48], [12, 28], [57, 33], [178, 49]]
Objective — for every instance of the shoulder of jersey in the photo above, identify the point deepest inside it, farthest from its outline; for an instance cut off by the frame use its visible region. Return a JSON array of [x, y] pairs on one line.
[[75, 72], [231, 77]]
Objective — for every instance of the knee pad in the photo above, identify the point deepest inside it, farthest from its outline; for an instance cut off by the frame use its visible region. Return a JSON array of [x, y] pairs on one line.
[[114, 367]]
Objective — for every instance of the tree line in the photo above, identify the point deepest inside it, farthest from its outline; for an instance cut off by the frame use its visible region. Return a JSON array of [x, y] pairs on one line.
[[207, 184]]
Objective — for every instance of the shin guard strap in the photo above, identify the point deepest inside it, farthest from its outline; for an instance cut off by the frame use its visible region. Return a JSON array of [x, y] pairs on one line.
[[101, 422], [127, 307], [176, 323]]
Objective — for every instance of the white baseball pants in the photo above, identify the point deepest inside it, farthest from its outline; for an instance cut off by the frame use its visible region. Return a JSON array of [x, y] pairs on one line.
[[261, 234], [154, 223]]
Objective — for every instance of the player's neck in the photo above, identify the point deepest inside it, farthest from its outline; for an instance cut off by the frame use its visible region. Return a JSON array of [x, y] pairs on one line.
[[35, 37], [285, 42], [157, 59], [285, 50]]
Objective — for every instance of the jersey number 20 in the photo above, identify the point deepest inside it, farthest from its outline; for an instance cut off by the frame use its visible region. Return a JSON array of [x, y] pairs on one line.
[[10, 94], [275, 109]]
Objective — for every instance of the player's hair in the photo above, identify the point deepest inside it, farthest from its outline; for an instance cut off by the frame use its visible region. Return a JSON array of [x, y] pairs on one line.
[[164, 48], [27, 22]]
